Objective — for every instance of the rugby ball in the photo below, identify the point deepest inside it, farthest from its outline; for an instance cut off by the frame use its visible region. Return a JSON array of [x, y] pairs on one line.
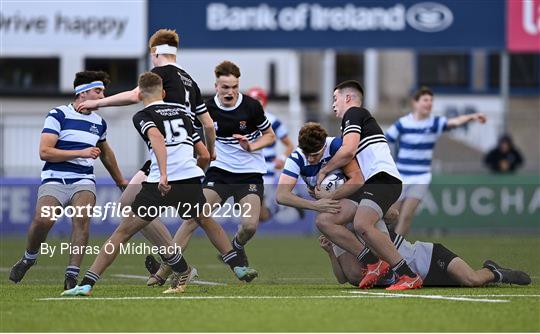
[[333, 181]]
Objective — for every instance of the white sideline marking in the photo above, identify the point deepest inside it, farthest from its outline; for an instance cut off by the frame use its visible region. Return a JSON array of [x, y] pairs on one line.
[[205, 297], [399, 295], [352, 295], [145, 278], [496, 295], [4, 270]]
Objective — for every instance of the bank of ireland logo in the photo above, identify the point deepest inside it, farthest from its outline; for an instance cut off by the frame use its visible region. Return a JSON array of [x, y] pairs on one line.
[[429, 17]]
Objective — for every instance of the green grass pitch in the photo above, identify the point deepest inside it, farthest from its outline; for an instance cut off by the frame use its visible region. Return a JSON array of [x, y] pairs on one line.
[[295, 292]]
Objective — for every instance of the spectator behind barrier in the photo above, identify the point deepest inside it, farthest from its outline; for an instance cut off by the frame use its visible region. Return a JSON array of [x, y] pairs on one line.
[[505, 157]]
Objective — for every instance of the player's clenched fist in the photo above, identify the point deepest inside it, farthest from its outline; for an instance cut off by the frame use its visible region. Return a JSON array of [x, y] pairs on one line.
[[91, 152]]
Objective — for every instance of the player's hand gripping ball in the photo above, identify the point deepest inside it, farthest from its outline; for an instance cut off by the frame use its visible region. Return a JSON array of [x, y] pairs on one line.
[[331, 183]]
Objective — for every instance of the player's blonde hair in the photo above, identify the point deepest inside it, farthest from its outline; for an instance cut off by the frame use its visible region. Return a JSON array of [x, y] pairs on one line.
[[227, 68], [163, 36], [150, 84]]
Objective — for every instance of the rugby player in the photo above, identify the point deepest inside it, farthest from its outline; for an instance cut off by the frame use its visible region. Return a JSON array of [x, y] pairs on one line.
[[364, 141], [415, 136], [70, 142]]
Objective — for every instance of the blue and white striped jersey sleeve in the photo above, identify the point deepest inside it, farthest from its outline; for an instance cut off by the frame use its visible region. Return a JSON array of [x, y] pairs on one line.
[[392, 133], [54, 122], [335, 145], [279, 129], [292, 165], [103, 136], [443, 125]]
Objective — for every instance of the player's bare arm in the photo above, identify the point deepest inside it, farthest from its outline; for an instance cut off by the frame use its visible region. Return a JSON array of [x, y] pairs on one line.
[[268, 138], [326, 245], [464, 119], [355, 180], [121, 99], [203, 156], [108, 158], [209, 133], [47, 151], [343, 156], [160, 150], [285, 196]]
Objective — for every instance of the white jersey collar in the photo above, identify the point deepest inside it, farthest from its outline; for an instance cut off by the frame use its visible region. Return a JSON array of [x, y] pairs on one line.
[[220, 106]]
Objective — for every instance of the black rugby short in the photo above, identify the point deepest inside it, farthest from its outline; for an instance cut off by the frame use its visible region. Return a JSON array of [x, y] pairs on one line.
[[238, 185], [381, 188]]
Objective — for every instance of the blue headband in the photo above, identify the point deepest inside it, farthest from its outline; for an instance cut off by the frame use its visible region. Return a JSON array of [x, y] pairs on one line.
[[84, 87]]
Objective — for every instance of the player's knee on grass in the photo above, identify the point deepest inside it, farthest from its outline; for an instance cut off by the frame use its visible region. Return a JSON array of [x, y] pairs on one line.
[[352, 269]]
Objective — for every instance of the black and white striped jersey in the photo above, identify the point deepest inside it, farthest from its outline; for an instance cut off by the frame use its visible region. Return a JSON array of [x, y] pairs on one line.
[[180, 137], [181, 90], [246, 118], [373, 153]]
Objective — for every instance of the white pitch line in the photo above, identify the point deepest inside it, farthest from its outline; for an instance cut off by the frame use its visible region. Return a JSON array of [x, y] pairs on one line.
[[145, 278], [399, 295], [205, 297], [4, 270], [505, 295]]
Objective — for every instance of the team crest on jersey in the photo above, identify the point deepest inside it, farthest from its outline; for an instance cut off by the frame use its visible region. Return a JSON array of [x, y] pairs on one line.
[[94, 129], [347, 122], [243, 125], [216, 126], [253, 188]]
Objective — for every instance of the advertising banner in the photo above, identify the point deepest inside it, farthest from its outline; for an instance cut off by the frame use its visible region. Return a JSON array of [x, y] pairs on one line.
[[507, 202], [332, 24], [523, 25], [46, 28]]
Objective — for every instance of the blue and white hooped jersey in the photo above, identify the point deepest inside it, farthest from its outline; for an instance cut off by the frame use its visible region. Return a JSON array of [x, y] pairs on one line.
[[415, 142], [75, 131], [297, 165], [269, 152]]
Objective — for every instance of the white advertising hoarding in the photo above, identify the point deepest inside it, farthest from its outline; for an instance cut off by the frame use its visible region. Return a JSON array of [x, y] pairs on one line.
[[48, 28]]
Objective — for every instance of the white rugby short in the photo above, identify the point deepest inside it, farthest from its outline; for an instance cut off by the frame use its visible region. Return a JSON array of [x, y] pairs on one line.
[[415, 186], [65, 192]]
